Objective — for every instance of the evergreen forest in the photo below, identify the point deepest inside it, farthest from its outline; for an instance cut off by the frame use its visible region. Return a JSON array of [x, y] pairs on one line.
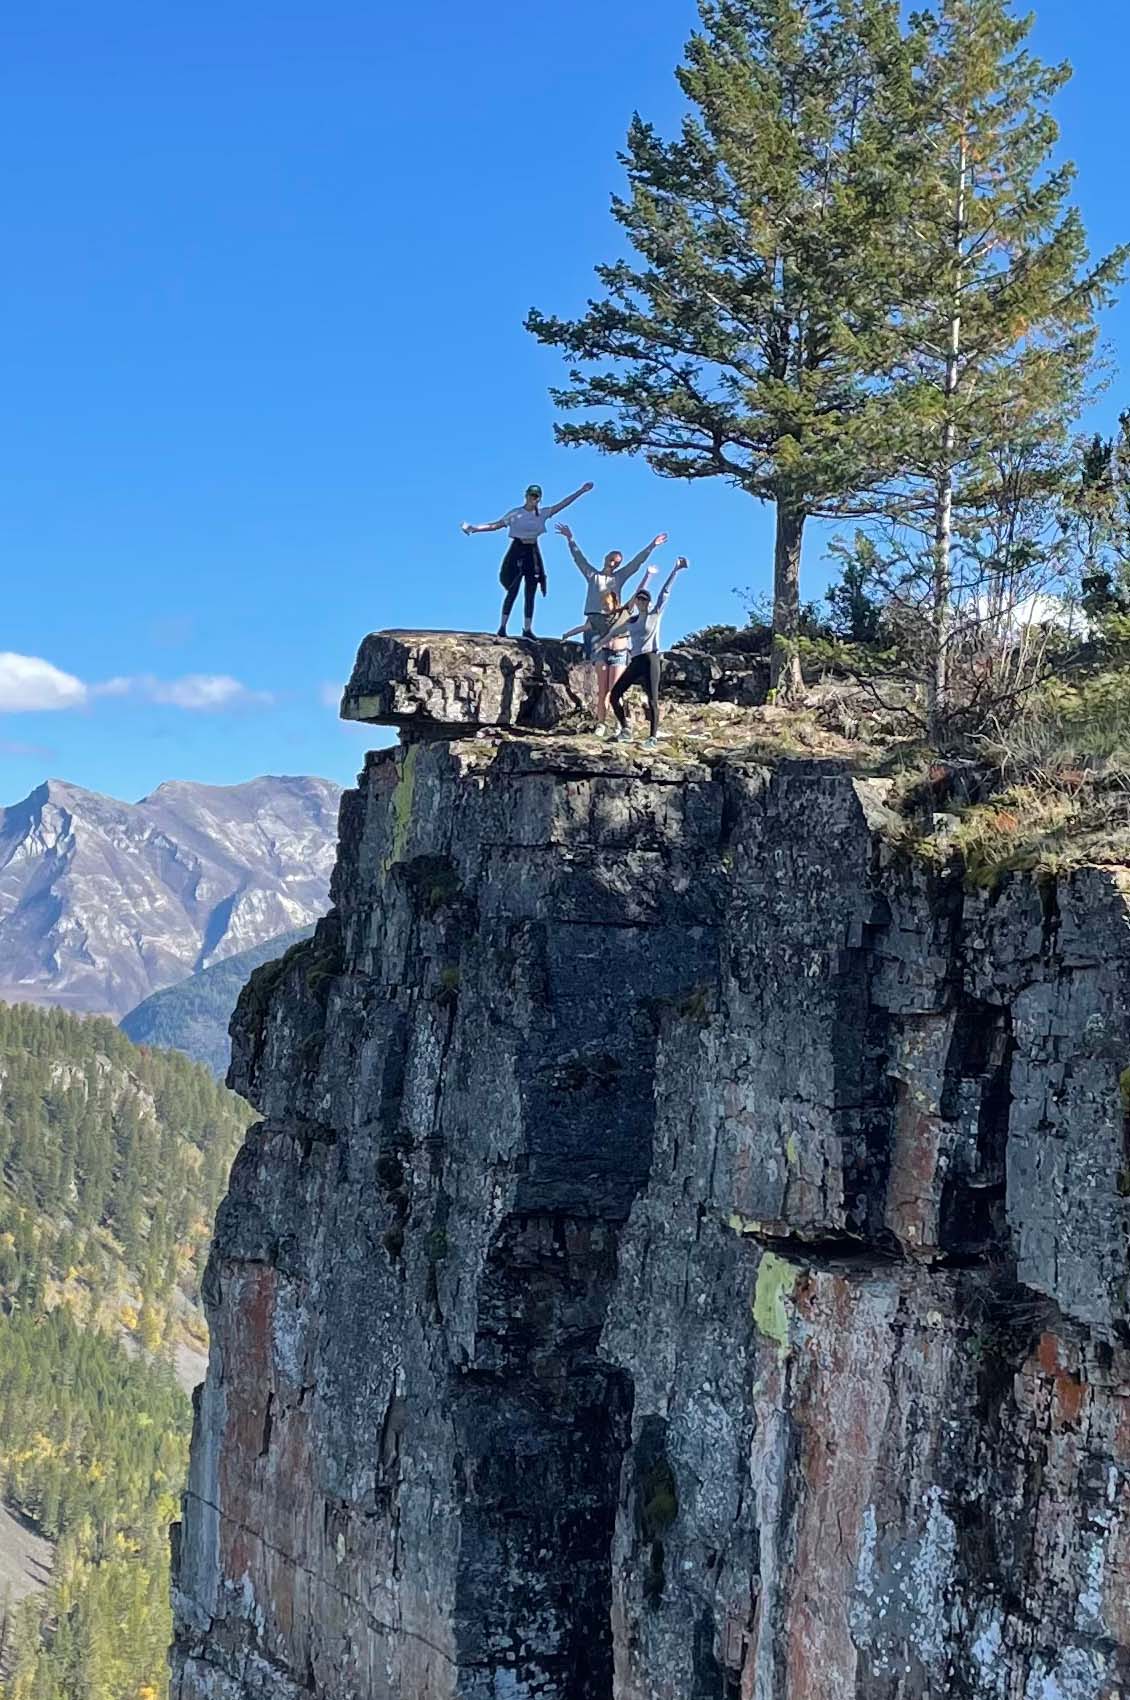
[[114, 1159]]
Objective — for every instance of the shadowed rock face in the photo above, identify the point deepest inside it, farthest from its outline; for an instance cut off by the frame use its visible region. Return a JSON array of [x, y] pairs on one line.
[[683, 1258]]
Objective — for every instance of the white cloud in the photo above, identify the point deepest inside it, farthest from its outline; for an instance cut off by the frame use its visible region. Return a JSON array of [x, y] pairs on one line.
[[28, 683], [204, 690], [195, 691]]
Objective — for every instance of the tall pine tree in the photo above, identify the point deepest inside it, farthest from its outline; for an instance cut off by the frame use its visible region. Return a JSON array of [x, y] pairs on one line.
[[749, 337], [998, 320]]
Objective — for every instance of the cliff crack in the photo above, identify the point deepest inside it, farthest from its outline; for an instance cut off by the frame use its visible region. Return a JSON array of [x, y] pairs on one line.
[[324, 1581]]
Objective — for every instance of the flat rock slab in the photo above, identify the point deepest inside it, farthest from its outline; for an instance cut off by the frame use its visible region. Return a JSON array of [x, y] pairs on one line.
[[440, 684], [437, 684]]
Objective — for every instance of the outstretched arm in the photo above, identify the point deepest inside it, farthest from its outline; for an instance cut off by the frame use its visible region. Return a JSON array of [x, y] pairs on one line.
[[495, 525], [548, 513], [583, 564], [624, 573], [649, 573], [680, 566], [575, 631]]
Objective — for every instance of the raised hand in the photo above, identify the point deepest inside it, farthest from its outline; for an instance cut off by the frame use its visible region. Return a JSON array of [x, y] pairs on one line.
[[658, 542], [681, 564], [466, 529], [585, 488], [651, 572], [566, 532]]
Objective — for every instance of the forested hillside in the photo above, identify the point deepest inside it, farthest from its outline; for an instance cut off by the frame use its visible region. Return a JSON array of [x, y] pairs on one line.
[[113, 1161], [193, 1015]]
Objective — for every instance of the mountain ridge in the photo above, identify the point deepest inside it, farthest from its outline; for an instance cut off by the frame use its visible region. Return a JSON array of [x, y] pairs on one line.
[[192, 1015], [103, 902]]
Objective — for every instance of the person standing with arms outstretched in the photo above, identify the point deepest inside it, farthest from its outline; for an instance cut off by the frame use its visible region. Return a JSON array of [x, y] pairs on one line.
[[612, 576], [642, 626], [522, 563], [603, 600]]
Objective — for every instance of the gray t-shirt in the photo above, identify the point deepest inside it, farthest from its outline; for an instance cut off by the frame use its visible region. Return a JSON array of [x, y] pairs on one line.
[[525, 525], [600, 582]]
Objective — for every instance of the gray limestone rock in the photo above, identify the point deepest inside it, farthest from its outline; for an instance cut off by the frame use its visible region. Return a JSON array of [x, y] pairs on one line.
[[436, 683], [441, 684], [683, 1257]]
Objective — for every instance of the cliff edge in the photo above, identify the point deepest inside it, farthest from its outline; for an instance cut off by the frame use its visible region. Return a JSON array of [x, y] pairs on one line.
[[684, 1253]]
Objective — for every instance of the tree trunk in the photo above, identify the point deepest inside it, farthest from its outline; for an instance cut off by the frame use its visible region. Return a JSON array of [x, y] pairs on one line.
[[937, 673], [784, 672], [937, 666]]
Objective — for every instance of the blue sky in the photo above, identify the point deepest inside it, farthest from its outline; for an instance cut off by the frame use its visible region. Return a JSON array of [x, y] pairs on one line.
[[266, 270]]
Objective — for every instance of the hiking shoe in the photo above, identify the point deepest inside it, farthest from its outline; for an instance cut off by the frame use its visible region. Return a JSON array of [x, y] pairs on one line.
[[624, 737], [501, 631], [650, 743], [600, 730]]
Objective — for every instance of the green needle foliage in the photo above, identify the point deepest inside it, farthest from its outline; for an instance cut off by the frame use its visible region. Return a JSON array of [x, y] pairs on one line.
[[1098, 522], [998, 324], [750, 337]]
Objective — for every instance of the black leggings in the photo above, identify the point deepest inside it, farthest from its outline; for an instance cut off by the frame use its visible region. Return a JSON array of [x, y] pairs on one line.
[[641, 670], [521, 566]]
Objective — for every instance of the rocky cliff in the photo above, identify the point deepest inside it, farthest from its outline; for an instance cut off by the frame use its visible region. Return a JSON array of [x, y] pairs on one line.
[[683, 1256]]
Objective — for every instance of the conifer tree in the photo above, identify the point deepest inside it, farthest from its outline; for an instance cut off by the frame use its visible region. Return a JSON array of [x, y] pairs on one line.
[[749, 336], [998, 323], [1099, 521]]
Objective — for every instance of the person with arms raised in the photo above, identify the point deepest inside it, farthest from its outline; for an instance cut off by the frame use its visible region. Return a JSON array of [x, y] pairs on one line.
[[641, 622], [522, 564], [609, 655], [603, 582]]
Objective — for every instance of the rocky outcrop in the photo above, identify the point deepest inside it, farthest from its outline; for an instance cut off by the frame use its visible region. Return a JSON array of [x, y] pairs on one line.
[[436, 684], [442, 684], [683, 1257]]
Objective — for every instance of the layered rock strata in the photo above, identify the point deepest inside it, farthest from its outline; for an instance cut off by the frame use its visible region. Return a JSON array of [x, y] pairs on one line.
[[683, 1257], [437, 684]]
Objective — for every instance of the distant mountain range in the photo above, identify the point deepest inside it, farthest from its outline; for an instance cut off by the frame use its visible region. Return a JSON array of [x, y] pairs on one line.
[[103, 902], [193, 1015]]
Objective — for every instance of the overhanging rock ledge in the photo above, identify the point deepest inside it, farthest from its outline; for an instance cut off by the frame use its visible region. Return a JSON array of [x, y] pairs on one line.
[[446, 684], [433, 684]]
